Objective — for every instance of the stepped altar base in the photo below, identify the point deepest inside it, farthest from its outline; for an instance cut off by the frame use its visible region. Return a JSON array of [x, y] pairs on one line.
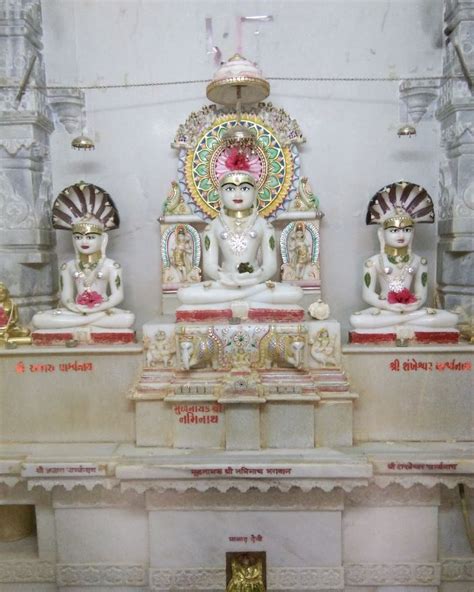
[[243, 386]]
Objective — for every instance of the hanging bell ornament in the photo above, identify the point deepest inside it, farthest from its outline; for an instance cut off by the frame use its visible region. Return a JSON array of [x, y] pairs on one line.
[[83, 143], [406, 130]]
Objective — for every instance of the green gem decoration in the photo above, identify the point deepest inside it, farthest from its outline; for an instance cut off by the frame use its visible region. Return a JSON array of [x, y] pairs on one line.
[[213, 196], [367, 279], [397, 259], [271, 242], [201, 170], [207, 242], [118, 281], [61, 282], [424, 278]]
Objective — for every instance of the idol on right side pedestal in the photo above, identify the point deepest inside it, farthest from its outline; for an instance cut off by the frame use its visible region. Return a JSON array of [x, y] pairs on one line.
[[395, 280]]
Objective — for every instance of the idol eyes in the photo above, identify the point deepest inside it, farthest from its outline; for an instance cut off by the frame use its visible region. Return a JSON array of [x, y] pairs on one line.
[[243, 187], [88, 237], [407, 230]]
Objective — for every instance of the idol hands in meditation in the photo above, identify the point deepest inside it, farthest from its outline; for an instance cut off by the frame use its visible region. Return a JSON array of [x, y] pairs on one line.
[[239, 255]]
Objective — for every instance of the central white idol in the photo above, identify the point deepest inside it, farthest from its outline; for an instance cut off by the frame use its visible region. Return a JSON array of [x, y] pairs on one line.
[[239, 256]]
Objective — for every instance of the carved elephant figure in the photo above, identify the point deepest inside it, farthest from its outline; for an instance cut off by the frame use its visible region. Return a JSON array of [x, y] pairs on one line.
[[282, 350], [199, 351]]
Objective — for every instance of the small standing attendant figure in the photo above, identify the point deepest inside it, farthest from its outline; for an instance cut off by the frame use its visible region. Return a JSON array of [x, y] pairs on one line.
[[300, 251], [395, 280], [181, 256], [91, 284]]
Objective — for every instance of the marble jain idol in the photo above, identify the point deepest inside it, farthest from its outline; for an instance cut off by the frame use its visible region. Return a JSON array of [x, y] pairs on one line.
[[91, 284], [395, 280], [239, 258]]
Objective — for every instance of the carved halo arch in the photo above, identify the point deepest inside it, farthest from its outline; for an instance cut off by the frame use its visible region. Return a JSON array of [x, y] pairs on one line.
[[274, 161]]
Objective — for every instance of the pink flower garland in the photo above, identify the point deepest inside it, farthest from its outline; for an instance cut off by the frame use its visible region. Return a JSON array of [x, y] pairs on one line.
[[402, 297], [89, 299]]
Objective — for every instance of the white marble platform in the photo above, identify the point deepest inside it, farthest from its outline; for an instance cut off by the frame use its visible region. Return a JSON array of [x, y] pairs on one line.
[[47, 465], [61, 394], [162, 520], [419, 393]]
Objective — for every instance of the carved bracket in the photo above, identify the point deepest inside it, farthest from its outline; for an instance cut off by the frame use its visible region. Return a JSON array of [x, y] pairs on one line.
[[68, 106], [418, 96]]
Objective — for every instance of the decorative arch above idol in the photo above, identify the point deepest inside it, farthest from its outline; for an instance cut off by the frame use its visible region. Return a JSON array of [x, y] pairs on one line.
[[209, 144]]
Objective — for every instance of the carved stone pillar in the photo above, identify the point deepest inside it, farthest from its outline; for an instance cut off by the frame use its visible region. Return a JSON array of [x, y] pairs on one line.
[[456, 211], [28, 263]]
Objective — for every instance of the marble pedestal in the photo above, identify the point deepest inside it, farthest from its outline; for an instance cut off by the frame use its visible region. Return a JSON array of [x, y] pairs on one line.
[[243, 387], [419, 393], [61, 394]]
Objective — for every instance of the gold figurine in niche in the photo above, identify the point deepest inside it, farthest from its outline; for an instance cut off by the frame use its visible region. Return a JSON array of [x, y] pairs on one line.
[[247, 572], [10, 331]]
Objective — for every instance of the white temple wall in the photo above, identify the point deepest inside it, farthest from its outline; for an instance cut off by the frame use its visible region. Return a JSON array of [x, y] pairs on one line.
[[390, 539], [352, 146]]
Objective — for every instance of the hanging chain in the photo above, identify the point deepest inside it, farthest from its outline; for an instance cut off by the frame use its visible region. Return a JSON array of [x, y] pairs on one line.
[[204, 81]]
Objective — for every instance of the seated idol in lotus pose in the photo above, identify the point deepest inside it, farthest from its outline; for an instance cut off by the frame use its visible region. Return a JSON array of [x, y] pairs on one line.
[[395, 280], [239, 252], [91, 284]]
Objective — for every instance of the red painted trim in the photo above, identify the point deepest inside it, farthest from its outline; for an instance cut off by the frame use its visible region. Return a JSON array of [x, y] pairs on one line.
[[113, 337], [275, 314], [50, 338], [355, 337], [195, 316], [437, 336]]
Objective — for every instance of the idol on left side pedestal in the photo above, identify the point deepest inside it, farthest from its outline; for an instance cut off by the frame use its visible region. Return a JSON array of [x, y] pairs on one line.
[[11, 333], [91, 284]]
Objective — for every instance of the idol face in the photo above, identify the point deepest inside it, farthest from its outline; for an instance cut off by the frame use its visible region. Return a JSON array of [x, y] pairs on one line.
[[87, 243], [398, 237], [237, 196]]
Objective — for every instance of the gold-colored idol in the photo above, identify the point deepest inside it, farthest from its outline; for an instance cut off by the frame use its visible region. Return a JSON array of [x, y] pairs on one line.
[[11, 333]]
